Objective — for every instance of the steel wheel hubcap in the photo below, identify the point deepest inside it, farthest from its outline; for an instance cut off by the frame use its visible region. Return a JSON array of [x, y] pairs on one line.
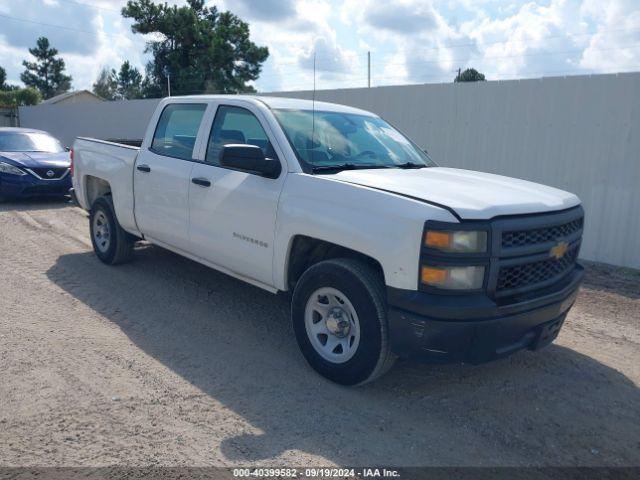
[[101, 232], [332, 325]]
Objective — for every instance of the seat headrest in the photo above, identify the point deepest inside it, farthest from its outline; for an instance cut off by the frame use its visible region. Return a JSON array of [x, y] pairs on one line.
[[232, 135]]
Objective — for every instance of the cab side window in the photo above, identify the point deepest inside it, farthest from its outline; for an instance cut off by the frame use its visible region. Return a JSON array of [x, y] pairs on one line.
[[177, 129], [235, 125]]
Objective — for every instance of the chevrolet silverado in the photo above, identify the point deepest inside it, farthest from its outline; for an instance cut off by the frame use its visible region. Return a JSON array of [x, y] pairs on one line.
[[383, 252]]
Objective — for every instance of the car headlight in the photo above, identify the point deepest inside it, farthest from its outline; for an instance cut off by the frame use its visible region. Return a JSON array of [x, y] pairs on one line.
[[453, 278], [456, 241], [10, 169]]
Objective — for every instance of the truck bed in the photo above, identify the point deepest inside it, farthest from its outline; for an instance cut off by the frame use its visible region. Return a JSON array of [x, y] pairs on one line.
[[112, 163]]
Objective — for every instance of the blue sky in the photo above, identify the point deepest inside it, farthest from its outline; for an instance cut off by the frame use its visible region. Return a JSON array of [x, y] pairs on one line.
[[411, 41]]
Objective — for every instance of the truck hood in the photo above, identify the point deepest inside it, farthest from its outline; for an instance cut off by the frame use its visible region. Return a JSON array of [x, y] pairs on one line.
[[472, 195], [36, 159]]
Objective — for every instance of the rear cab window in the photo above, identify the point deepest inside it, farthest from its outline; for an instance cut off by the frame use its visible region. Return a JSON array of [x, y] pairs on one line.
[[177, 130]]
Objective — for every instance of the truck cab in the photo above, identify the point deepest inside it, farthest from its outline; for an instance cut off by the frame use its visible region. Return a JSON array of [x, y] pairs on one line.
[[383, 252]]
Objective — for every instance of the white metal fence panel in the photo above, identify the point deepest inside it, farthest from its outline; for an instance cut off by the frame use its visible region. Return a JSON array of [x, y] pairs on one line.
[[581, 134], [125, 119]]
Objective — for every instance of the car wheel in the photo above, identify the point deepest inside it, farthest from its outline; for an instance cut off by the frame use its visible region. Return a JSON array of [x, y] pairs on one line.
[[110, 242], [339, 319]]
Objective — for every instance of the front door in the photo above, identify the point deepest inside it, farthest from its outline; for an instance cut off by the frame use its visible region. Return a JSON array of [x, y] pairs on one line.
[[162, 176], [233, 213]]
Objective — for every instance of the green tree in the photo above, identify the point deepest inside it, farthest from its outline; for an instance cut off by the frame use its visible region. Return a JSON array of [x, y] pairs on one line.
[[129, 82], [202, 49], [470, 75], [13, 96], [4, 86], [106, 84], [20, 97], [47, 72], [126, 84]]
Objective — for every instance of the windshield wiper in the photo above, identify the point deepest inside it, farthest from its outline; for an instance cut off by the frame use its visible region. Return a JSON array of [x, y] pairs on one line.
[[409, 165], [344, 166]]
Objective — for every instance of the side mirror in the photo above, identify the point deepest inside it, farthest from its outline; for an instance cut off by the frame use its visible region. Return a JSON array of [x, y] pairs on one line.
[[249, 158], [67, 149]]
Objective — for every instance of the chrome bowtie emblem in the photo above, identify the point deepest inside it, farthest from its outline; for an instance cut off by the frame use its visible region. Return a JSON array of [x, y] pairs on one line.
[[50, 173], [559, 250]]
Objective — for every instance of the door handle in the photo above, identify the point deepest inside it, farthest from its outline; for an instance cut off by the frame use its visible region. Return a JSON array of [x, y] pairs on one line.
[[203, 182], [144, 168]]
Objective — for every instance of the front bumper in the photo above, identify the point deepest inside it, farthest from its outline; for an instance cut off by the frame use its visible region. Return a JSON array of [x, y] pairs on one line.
[[475, 328], [21, 186]]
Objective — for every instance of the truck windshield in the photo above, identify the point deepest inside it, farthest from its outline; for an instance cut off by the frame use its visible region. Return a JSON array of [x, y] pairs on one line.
[[29, 142], [348, 141]]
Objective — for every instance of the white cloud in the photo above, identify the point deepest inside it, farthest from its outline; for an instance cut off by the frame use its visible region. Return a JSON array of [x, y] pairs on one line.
[[292, 39], [26, 20], [402, 17], [87, 35], [113, 49], [410, 40], [416, 39], [265, 10], [330, 57], [616, 43], [532, 37], [562, 37], [504, 40]]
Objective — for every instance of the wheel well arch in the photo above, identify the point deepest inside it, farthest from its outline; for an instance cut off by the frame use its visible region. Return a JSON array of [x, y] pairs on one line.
[[306, 251], [95, 188]]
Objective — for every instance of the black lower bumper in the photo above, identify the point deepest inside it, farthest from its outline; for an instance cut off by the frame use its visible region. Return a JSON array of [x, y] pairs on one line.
[[474, 328]]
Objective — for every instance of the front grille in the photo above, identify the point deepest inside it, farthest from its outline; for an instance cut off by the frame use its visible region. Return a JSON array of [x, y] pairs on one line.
[[529, 274], [523, 238], [43, 172], [521, 260]]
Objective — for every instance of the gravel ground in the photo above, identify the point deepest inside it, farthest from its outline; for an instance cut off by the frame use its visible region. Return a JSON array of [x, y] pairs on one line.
[[165, 362]]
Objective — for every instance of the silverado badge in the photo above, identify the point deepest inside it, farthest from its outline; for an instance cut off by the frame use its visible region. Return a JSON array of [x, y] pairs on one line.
[[559, 250]]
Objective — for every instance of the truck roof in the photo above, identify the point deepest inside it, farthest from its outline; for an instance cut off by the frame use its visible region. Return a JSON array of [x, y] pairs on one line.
[[21, 130], [289, 103]]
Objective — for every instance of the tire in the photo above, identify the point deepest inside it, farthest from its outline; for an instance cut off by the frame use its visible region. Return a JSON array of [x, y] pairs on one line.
[[346, 298], [110, 242]]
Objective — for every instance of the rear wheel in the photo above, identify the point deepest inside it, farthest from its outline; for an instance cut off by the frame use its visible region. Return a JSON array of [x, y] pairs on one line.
[[339, 318], [110, 242]]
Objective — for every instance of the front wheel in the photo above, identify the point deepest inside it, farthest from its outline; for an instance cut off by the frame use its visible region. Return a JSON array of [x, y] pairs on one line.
[[339, 318], [110, 242]]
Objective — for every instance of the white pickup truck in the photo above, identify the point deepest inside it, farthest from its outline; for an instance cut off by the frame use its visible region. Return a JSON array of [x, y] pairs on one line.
[[385, 253]]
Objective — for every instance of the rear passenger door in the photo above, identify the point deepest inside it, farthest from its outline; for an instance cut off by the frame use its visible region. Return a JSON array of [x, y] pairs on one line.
[[233, 213], [162, 175]]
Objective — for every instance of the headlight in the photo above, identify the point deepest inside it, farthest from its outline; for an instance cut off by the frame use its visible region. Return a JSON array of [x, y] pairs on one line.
[[10, 169], [460, 241], [453, 278]]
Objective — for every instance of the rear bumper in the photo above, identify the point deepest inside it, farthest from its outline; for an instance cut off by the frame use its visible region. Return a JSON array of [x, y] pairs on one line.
[[474, 328], [18, 186]]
